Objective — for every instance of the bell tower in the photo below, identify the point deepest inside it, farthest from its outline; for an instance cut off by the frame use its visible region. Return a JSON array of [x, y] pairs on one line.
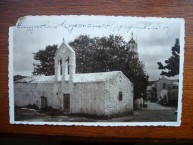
[[65, 63], [133, 45]]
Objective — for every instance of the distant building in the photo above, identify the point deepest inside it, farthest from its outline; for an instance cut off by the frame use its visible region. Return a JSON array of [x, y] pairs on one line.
[[151, 92], [133, 45], [164, 83], [155, 87], [101, 94]]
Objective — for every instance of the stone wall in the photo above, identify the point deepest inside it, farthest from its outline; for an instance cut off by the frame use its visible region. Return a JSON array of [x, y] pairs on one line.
[[88, 98], [113, 105], [30, 93], [94, 98]]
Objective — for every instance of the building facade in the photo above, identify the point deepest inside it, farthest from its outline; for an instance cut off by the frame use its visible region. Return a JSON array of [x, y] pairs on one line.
[[157, 89], [100, 94]]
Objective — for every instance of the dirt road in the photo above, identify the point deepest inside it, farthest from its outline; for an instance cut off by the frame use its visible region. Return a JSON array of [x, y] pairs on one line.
[[153, 113]]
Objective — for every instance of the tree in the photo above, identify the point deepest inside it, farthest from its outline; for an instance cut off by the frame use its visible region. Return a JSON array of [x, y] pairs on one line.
[[172, 63], [45, 60], [99, 54], [109, 54]]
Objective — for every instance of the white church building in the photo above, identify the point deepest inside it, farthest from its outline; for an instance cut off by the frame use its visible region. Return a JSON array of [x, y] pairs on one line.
[[100, 94]]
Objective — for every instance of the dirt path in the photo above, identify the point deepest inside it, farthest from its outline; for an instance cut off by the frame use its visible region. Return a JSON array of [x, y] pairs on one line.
[[153, 113], [156, 106]]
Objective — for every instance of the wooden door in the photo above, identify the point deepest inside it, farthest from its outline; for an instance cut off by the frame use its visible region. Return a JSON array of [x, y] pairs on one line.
[[43, 102], [66, 102]]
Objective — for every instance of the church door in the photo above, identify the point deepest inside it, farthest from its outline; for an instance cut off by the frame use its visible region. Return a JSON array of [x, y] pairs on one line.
[[66, 102], [43, 102]]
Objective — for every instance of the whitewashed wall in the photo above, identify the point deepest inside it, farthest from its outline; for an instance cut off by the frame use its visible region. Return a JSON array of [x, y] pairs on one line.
[[30, 93], [113, 106], [94, 98], [88, 98]]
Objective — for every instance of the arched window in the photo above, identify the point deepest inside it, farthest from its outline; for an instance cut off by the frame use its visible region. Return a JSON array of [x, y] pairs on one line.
[[60, 65]]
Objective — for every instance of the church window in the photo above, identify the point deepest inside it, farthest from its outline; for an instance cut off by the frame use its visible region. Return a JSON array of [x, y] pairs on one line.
[[120, 96]]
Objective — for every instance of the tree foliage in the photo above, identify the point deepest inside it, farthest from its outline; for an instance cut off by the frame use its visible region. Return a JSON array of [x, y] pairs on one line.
[[98, 55], [45, 61], [172, 63], [110, 54]]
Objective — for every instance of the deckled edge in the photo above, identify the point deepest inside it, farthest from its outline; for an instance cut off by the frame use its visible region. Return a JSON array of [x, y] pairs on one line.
[[154, 19], [10, 76], [104, 124], [180, 89]]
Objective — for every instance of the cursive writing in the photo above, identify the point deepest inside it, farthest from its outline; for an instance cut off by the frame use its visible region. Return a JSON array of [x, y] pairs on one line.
[[114, 26]]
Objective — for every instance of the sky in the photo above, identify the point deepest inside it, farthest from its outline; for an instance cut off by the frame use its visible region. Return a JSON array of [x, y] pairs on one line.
[[154, 36]]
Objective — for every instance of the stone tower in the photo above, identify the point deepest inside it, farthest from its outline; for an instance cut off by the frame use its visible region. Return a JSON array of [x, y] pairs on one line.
[[133, 45]]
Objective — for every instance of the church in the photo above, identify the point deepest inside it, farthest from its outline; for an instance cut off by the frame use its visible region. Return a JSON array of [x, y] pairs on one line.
[[98, 94]]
